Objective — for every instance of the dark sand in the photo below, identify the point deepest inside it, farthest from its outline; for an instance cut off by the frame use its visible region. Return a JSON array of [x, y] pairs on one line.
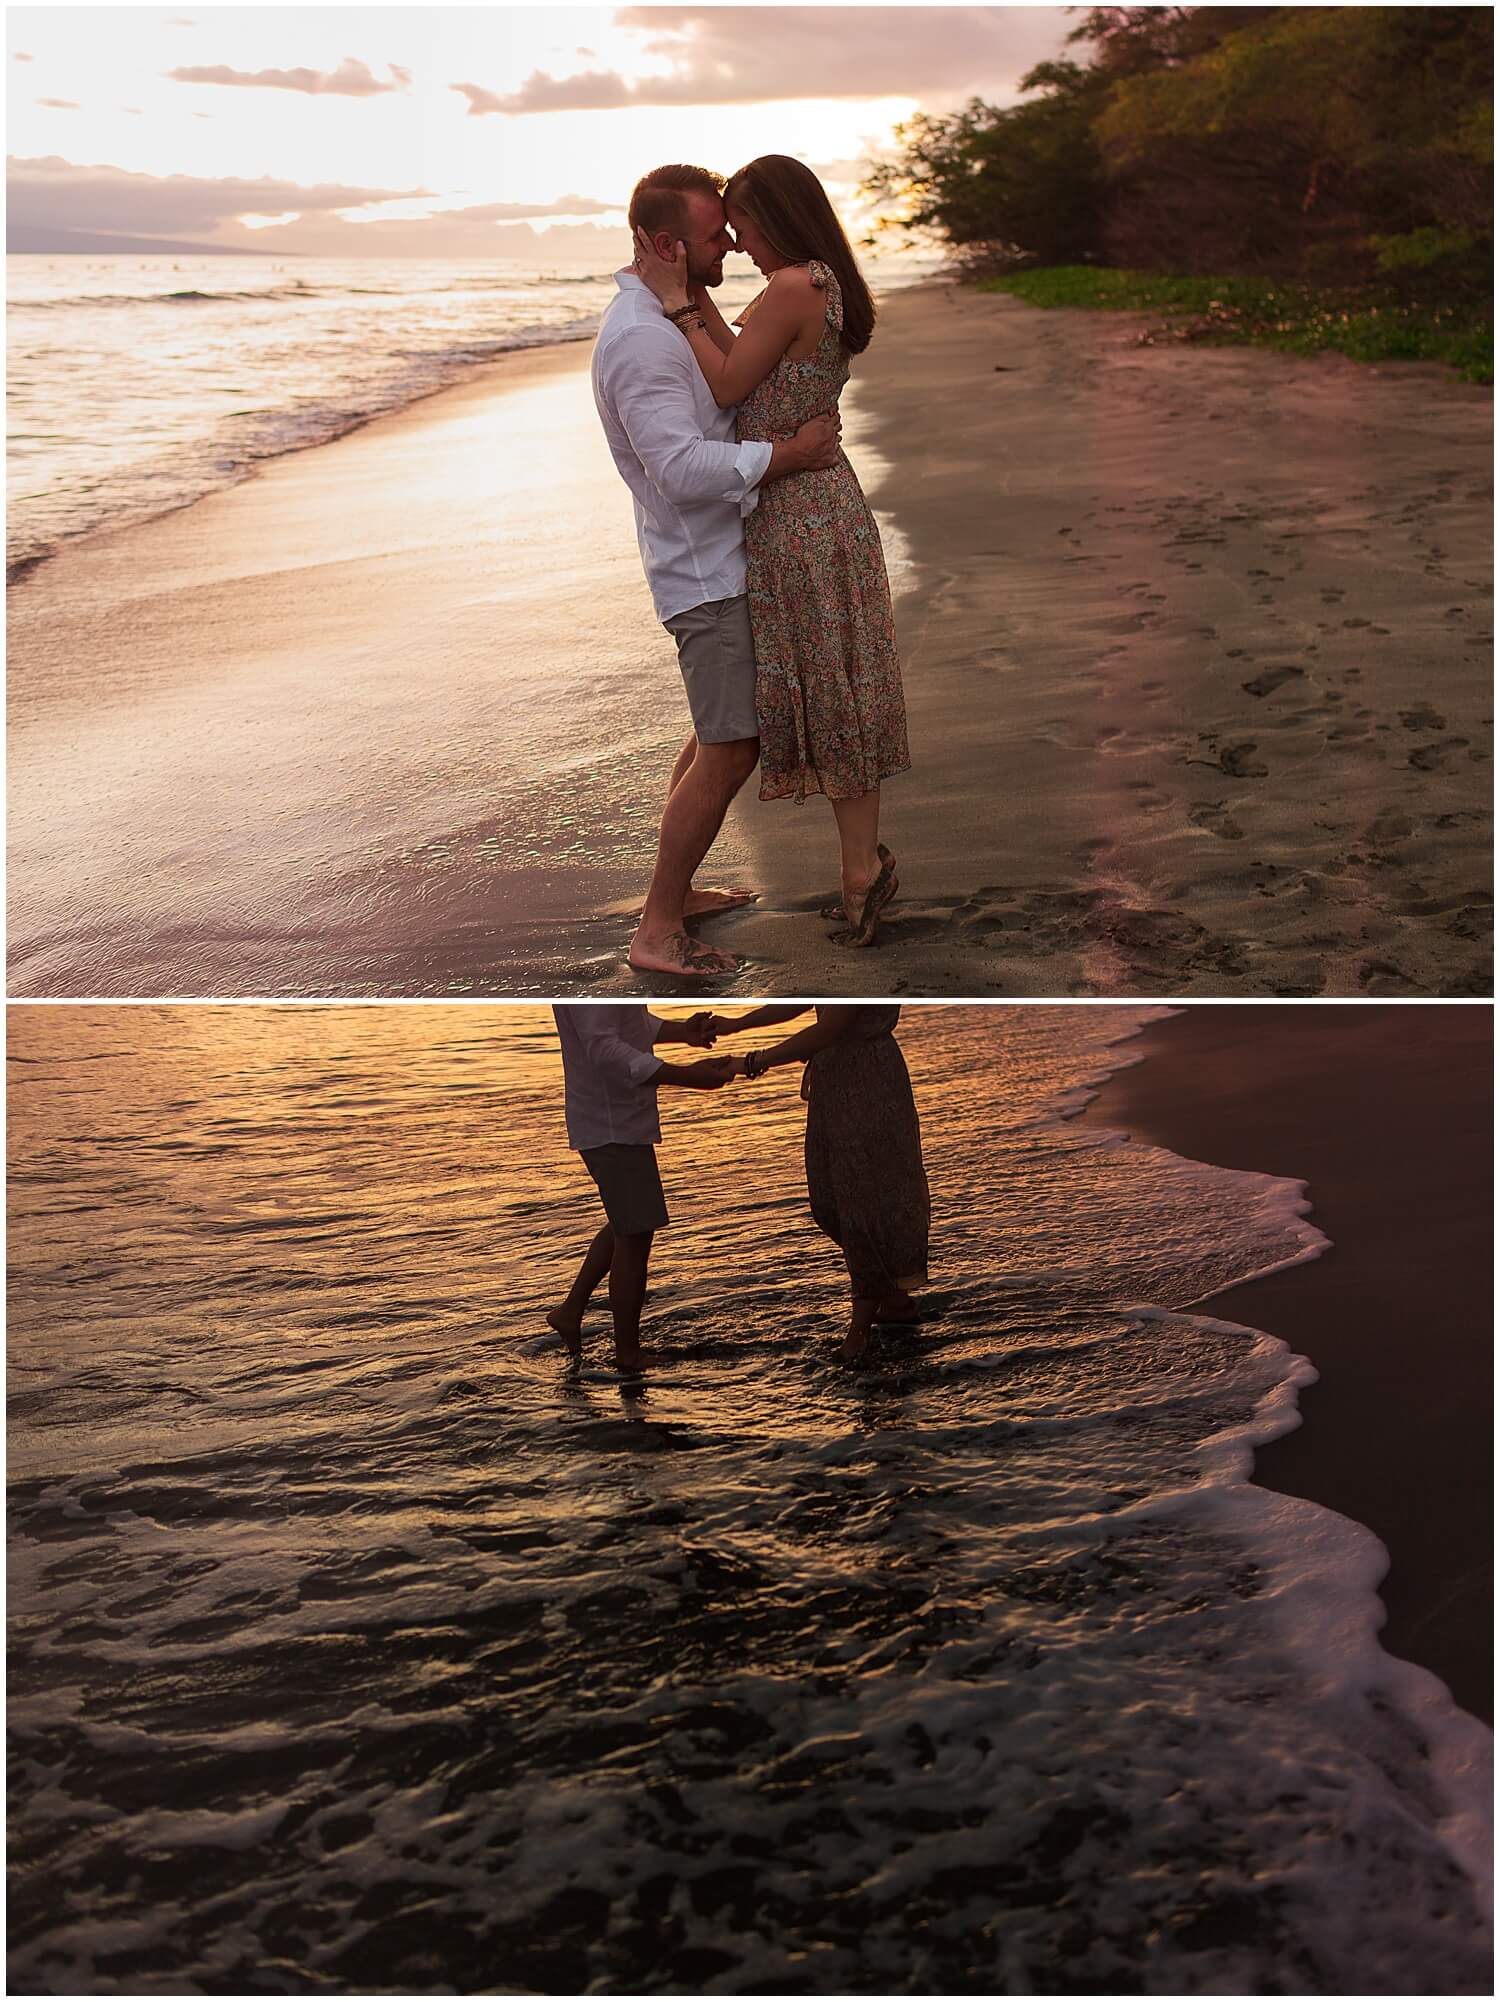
[[1197, 657], [1385, 1112]]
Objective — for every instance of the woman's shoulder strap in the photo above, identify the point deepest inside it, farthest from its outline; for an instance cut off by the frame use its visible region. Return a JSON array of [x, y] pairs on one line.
[[823, 277]]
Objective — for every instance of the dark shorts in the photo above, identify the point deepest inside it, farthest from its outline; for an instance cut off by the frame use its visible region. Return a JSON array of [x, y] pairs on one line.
[[629, 1183], [717, 656]]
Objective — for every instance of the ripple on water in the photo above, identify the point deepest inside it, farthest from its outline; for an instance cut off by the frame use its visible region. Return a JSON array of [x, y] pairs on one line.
[[355, 1645]]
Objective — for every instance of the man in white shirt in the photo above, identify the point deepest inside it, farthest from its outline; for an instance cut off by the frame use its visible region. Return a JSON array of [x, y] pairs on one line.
[[610, 1081], [692, 486]]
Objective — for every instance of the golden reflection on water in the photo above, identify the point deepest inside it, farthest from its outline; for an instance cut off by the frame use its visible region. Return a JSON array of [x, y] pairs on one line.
[[289, 1471], [305, 1174]]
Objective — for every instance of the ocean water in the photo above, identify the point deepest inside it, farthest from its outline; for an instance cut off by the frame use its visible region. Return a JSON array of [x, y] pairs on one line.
[[358, 1645], [138, 384]]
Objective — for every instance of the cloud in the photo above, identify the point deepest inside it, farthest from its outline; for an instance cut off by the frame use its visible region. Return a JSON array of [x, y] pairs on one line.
[[526, 211], [59, 104], [52, 200], [598, 90], [352, 78], [752, 55], [52, 193]]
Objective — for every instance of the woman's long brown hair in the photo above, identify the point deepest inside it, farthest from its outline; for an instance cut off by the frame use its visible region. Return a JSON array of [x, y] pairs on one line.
[[786, 200]]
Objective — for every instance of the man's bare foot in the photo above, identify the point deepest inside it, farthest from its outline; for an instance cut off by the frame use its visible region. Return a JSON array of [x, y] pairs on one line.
[[632, 1363], [707, 903], [569, 1326], [677, 953]]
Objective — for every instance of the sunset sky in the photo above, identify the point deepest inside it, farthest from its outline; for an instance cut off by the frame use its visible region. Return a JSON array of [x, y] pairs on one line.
[[455, 130]]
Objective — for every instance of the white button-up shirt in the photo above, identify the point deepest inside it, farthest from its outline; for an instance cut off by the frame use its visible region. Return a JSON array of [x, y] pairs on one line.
[[692, 484], [609, 1090]]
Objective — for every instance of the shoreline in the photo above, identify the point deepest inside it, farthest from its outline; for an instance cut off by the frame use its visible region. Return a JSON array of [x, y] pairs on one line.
[[466, 375], [1395, 1314], [393, 716], [19, 568]]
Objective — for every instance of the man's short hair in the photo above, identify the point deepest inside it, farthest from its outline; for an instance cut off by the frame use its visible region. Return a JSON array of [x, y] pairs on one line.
[[657, 201]]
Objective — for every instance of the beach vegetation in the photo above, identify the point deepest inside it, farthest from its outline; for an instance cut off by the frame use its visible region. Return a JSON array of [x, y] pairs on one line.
[[1315, 176], [1298, 319]]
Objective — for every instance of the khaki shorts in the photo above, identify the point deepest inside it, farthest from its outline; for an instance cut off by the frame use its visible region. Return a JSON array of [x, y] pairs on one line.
[[717, 656], [629, 1184]]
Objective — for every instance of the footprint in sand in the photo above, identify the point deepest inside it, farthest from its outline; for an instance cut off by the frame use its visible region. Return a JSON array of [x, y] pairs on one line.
[[1390, 825], [1211, 816], [1433, 757], [1236, 761], [1379, 976], [1272, 679], [1423, 718]]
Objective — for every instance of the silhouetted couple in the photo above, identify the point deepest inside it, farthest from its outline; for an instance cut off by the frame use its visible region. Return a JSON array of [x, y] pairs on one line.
[[865, 1178]]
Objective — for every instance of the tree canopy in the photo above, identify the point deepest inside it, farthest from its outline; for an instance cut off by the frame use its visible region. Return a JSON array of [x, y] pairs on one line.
[[1328, 144]]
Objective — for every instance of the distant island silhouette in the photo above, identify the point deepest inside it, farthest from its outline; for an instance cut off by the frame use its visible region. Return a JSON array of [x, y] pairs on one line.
[[26, 239]]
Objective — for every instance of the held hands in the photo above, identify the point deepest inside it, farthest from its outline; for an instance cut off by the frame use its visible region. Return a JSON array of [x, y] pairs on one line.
[[701, 1029], [712, 1073], [708, 1073], [667, 277]]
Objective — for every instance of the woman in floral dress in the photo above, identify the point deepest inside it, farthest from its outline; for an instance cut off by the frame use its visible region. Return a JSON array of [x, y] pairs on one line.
[[828, 681], [866, 1183]]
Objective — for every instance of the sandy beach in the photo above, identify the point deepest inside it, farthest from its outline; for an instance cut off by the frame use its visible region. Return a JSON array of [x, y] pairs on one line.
[[1376, 1109], [1197, 656]]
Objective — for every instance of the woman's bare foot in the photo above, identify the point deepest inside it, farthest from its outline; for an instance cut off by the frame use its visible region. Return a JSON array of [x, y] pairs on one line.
[[861, 1327], [898, 1308], [687, 957], [708, 903]]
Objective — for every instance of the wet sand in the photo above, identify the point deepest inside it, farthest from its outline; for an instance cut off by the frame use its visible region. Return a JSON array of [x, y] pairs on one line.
[[1385, 1113], [1197, 655]]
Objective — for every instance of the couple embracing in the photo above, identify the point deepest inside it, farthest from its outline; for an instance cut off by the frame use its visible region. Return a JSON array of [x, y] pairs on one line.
[[762, 556], [865, 1179]]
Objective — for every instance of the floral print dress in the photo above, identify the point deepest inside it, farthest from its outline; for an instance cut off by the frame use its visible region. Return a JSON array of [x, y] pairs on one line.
[[828, 680]]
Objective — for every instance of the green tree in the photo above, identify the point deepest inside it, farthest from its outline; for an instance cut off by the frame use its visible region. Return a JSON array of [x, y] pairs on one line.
[[1332, 144], [1022, 183]]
